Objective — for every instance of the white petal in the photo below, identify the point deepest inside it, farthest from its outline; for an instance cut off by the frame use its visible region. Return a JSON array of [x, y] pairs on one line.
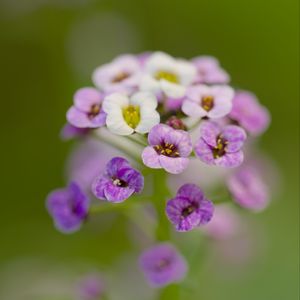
[[148, 120], [160, 61], [116, 124], [187, 72], [193, 109], [149, 84], [172, 89], [144, 99], [113, 101]]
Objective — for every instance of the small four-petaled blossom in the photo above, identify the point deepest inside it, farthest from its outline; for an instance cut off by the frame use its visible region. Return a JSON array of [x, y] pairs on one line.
[[121, 75], [249, 113], [87, 109], [68, 207], [167, 75], [126, 115], [220, 146], [248, 188], [163, 265], [204, 101], [189, 209], [209, 71], [118, 182], [169, 149]]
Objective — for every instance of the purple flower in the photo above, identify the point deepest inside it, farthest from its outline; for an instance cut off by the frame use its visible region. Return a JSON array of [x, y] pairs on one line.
[[248, 188], [209, 71], [69, 132], [87, 111], [162, 265], [121, 75], [169, 149], [68, 207], [205, 101], [221, 146], [118, 182], [189, 209], [91, 287], [249, 113]]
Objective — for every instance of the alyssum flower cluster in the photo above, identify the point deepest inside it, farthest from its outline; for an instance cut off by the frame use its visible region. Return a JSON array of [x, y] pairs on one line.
[[163, 113]]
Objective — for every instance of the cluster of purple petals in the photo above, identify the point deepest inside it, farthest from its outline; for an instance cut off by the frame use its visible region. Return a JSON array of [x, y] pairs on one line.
[[189, 209], [249, 113], [168, 149], [248, 188], [221, 145], [118, 182], [87, 111], [68, 207], [162, 264]]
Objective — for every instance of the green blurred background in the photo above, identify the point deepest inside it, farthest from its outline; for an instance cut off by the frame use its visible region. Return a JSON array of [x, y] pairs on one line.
[[49, 49]]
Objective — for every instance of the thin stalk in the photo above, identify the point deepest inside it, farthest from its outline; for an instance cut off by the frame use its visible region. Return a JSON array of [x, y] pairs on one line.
[[119, 143]]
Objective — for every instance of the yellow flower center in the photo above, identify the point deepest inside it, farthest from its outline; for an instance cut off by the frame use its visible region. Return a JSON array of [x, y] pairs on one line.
[[171, 77], [207, 103], [167, 149], [220, 149], [132, 115]]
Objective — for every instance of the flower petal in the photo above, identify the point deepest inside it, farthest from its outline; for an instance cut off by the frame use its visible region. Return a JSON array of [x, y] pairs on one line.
[[158, 133], [173, 165], [117, 194], [144, 99], [173, 90], [206, 211], [230, 160], [190, 191], [193, 109], [204, 152], [85, 98], [209, 132], [151, 158], [149, 118]]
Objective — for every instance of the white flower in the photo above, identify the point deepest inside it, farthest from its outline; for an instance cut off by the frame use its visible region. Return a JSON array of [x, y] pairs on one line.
[[120, 75], [167, 74], [126, 115]]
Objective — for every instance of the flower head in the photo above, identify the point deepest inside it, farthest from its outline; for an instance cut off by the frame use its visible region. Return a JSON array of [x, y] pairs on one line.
[[204, 101], [249, 113], [90, 287], [209, 71], [167, 75], [248, 188], [121, 75], [126, 115], [68, 207], [221, 146], [87, 111], [162, 265], [118, 182], [169, 149], [189, 209]]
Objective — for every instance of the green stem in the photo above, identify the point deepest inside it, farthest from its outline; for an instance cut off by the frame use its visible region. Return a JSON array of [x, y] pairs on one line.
[[119, 143], [161, 194]]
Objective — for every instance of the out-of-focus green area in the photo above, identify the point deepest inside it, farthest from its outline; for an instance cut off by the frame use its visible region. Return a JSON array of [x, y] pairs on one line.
[[49, 49]]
